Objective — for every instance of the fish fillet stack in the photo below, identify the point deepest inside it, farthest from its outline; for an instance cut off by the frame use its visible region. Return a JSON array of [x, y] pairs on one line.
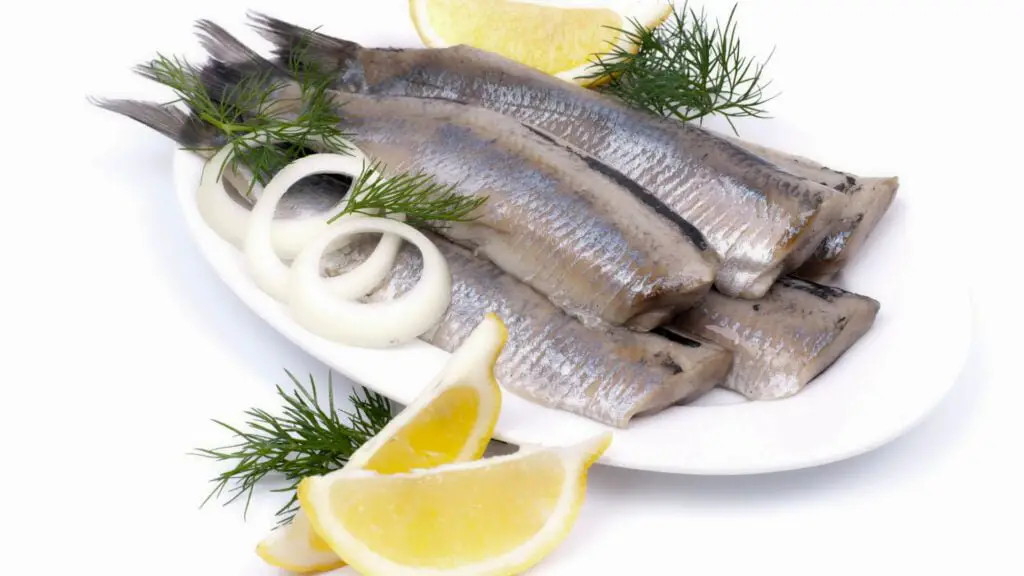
[[637, 261]]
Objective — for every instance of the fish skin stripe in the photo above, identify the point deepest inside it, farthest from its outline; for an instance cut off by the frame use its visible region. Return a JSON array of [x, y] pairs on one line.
[[634, 188]]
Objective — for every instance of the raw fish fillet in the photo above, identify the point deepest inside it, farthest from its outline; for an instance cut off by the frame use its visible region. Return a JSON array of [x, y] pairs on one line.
[[869, 199], [784, 340]]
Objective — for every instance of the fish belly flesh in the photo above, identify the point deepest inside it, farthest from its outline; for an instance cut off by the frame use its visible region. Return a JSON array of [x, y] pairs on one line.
[[761, 220], [784, 340], [608, 374], [869, 199]]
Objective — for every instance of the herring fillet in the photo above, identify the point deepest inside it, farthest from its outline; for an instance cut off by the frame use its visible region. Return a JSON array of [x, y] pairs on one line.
[[593, 241], [761, 220], [869, 199], [784, 340], [551, 219], [608, 374]]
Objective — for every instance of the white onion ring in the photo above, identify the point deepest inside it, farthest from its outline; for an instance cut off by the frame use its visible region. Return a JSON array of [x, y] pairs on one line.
[[263, 261], [230, 220], [362, 279], [225, 216], [376, 324]]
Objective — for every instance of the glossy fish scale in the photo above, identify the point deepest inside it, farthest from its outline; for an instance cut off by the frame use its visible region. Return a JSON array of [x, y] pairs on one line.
[[722, 209], [785, 339], [869, 199], [752, 215], [761, 220], [571, 232], [607, 374]]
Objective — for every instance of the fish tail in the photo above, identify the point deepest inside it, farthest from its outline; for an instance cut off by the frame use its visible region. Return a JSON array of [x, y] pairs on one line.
[[298, 46], [221, 45], [231, 61], [232, 64], [167, 119]]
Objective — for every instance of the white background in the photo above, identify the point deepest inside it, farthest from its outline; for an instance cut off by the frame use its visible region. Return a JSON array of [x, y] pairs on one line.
[[119, 344]]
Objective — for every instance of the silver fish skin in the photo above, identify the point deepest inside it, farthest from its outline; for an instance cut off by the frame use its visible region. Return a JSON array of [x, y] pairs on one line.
[[761, 220], [608, 374], [869, 200], [590, 239], [782, 341], [552, 219]]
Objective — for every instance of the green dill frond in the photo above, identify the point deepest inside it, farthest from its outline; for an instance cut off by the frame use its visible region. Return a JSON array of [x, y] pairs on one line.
[[424, 202], [685, 68], [304, 439], [263, 141]]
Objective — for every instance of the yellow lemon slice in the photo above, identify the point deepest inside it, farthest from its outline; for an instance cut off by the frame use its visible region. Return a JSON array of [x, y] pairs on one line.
[[490, 517], [452, 420], [549, 36]]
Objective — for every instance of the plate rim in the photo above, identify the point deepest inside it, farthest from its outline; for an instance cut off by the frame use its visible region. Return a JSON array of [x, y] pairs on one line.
[[204, 238]]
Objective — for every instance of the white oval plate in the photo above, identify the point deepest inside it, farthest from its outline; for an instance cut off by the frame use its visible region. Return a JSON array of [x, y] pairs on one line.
[[878, 390]]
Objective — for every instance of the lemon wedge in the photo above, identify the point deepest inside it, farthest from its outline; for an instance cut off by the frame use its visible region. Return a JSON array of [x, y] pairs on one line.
[[554, 38], [297, 548], [490, 517], [452, 420]]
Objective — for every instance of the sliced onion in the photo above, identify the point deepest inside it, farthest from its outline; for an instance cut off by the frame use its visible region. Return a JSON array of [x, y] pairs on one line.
[[265, 265], [230, 220], [226, 217], [362, 279], [376, 324]]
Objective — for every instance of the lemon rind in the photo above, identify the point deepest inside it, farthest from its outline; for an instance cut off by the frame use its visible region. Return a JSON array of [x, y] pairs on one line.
[[275, 561], [314, 495]]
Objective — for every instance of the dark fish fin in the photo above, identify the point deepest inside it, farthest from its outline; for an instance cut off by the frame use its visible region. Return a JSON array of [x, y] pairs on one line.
[[167, 119], [231, 63], [298, 46], [223, 46], [157, 71]]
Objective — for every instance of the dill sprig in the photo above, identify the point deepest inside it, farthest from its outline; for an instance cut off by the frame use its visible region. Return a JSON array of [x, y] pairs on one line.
[[306, 439], [261, 140], [424, 202], [685, 68]]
